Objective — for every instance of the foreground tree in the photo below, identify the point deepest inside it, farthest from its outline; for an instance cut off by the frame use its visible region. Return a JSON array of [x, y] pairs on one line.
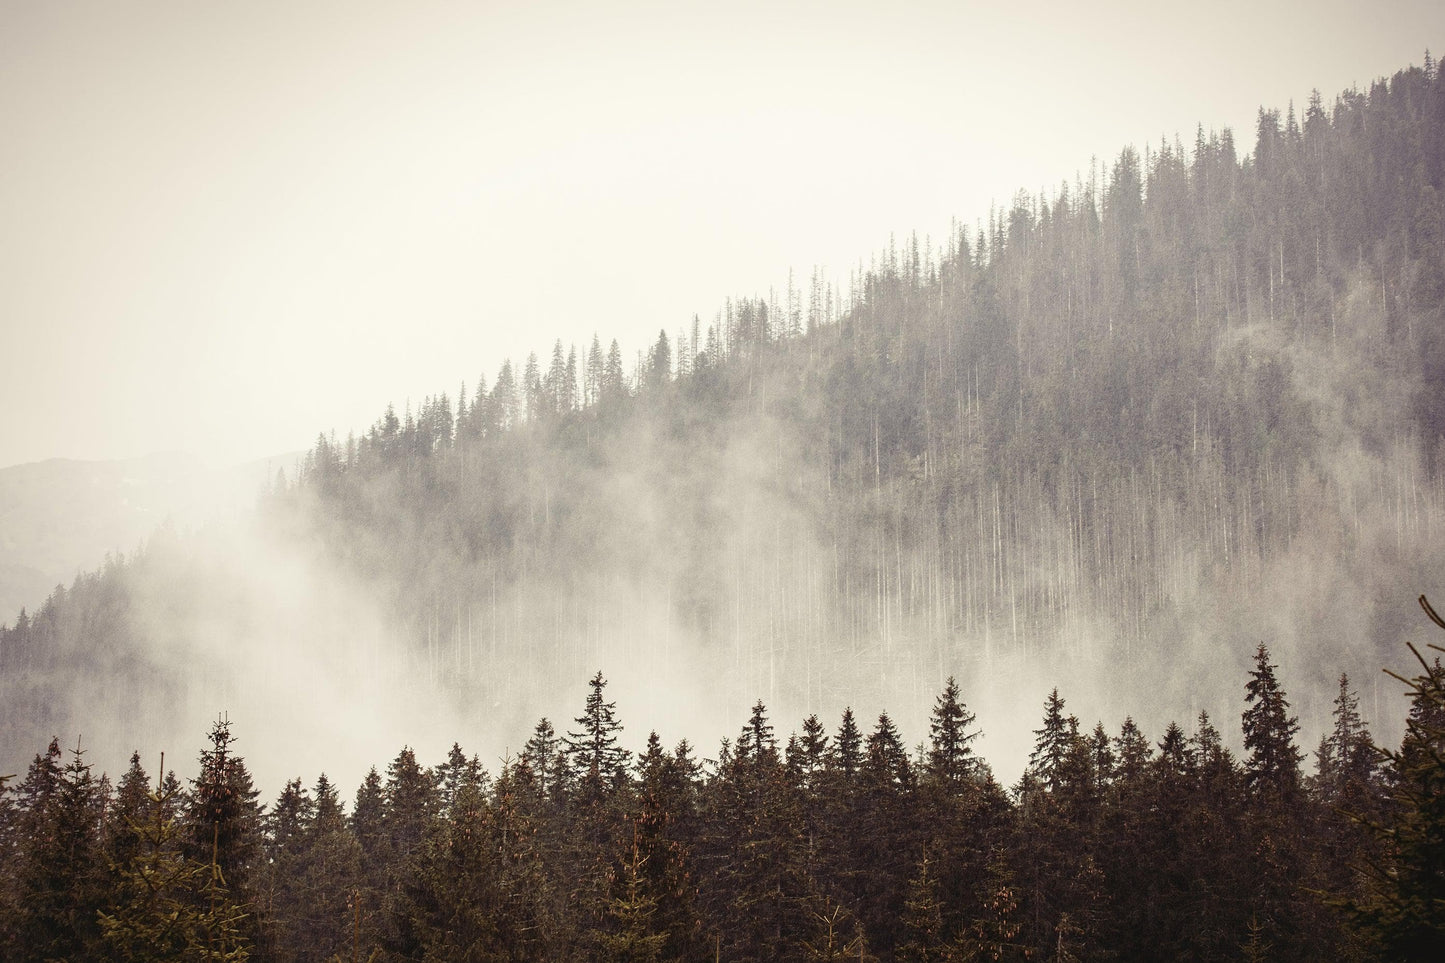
[[223, 819], [164, 906], [60, 877], [1403, 908], [598, 761]]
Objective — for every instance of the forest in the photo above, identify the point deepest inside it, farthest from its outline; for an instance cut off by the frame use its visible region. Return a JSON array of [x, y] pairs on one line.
[[1189, 400], [836, 844], [1116, 435]]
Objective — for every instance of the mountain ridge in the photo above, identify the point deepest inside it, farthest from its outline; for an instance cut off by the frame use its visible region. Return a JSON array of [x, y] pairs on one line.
[[1124, 430]]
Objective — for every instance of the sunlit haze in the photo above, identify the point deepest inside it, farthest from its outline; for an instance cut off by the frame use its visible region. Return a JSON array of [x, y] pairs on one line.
[[225, 227]]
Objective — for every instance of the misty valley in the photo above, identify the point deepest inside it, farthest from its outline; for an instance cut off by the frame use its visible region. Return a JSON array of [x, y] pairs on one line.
[[1162, 448]]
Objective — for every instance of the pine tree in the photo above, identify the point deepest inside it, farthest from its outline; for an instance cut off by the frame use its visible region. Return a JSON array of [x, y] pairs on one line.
[[1052, 744], [1273, 763], [599, 762], [756, 746], [367, 821], [812, 752], [546, 757], [60, 879], [848, 747], [330, 871], [223, 820], [1403, 908], [886, 763], [923, 938], [164, 906], [996, 933], [1348, 761], [126, 811], [410, 803], [633, 935], [456, 772], [287, 845], [1278, 819], [950, 758]]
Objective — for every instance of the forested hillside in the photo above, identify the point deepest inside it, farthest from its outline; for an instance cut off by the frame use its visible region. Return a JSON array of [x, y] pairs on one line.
[[1188, 400]]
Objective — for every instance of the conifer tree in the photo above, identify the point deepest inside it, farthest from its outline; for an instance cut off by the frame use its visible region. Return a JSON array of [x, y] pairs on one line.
[[1348, 761], [409, 800], [369, 826], [1403, 909], [996, 933], [330, 871], [546, 757], [1273, 763], [165, 906], [282, 880], [924, 940], [599, 762], [1278, 818], [127, 811], [223, 820], [1132, 752], [812, 752], [456, 772], [950, 758], [756, 746], [1052, 744], [848, 747], [60, 880], [632, 934]]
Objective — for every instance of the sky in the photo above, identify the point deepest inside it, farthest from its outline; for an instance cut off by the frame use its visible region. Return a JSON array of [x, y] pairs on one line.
[[226, 227]]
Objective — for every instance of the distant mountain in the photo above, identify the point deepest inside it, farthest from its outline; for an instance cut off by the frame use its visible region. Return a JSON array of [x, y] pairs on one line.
[[1112, 440], [58, 517]]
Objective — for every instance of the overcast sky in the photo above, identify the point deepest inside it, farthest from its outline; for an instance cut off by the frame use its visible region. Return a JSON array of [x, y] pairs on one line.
[[226, 226]]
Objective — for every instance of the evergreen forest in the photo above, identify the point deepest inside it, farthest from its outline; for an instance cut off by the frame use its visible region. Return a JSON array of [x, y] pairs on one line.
[[834, 844], [1166, 427]]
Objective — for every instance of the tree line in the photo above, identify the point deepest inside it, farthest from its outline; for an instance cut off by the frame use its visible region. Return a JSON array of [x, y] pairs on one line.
[[831, 844]]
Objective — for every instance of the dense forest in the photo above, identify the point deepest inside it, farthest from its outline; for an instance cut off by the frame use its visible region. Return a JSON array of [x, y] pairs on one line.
[[829, 846], [1119, 432], [1189, 400]]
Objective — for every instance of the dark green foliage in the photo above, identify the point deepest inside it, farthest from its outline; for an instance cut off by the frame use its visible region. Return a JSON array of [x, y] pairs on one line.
[[995, 932], [924, 940], [163, 906], [633, 933], [328, 866], [223, 819], [477, 890], [60, 871], [1272, 767], [1403, 907], [950, 759], [847, 747], [1112, 848], [546, 756], [1052, 744], [598, 761]]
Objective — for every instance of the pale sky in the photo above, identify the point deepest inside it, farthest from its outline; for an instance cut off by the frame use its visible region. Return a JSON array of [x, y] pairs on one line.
[[227, 226]]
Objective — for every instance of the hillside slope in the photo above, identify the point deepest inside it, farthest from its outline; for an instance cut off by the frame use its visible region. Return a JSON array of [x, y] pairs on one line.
[[1119, 434]]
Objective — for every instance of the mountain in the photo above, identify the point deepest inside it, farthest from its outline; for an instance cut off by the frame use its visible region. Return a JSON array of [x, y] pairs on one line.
[[1118, 436], [58, 516]]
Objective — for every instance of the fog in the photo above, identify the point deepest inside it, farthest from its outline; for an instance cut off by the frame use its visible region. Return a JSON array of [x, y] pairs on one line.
[[225, 228], [708, 578]]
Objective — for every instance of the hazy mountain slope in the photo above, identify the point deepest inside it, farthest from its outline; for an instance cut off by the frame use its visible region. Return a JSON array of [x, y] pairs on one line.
[[57, 517], [1113, 440]]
